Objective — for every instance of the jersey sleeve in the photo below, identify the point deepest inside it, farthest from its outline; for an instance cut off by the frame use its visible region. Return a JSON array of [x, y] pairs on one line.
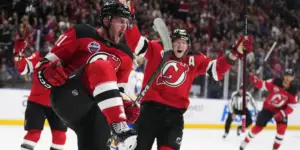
[[123, 76], [27, 65], [214, 68], [64, 47], [268, 85], [135, 41], [154, 50], [230, 104], [292, 103]]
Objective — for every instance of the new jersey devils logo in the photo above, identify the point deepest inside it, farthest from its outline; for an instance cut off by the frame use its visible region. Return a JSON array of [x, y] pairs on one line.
[[278, 100], [114, 60], [173, 73]]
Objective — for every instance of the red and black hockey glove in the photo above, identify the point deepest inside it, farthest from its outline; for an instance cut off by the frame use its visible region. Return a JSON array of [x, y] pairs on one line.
[[255, 81], [280, 117], [243, 45], [132, 111], [19, 46], [52, 74]]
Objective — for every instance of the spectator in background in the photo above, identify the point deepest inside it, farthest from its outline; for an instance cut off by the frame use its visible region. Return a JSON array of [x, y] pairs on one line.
[[213, 24]]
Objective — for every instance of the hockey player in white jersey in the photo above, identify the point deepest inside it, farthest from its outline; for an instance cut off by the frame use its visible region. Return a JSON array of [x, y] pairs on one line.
[[236, 107], [135, 80]]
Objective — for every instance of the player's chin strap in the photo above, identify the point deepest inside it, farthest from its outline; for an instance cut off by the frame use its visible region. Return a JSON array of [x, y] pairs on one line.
[[107, 28]]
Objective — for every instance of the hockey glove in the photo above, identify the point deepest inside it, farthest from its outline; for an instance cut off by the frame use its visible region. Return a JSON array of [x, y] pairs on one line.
[[123, 135], [132, 111], [255, 81], [281, 117], [243, 45], [18, 51], [20, 45], [52, 74]]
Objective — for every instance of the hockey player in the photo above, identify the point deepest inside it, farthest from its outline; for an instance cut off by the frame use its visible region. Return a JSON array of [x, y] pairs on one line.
[[38, 105], [235, 107], [135, 80], [279, 103], [96, 65], [165, 102]]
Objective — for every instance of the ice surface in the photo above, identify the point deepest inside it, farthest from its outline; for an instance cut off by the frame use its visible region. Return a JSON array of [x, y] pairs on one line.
[[193, 139]]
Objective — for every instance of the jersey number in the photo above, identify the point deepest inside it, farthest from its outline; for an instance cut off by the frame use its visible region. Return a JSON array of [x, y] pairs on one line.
[[60, 40]]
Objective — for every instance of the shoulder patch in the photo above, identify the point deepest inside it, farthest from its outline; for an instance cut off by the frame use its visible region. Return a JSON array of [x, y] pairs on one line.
[[94, 47]]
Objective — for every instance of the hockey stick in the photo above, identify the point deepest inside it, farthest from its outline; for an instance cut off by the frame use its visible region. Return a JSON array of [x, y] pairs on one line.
[[245, 72], [163, 32], [264, 61], [266, 58]]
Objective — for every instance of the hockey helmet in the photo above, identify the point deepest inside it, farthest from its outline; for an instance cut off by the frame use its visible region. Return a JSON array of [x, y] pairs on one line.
[[289, 72], [181, 34], [113, 8]]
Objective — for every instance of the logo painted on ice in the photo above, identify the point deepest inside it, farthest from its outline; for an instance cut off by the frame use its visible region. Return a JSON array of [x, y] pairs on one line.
[[93, 47]]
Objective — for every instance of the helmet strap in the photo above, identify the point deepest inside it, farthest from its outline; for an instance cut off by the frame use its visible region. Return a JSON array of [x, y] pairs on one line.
[[107, 27]]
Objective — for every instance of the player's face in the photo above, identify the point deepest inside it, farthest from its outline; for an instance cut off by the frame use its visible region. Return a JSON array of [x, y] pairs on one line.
[[180, 46], [287, 79], [117, 28]]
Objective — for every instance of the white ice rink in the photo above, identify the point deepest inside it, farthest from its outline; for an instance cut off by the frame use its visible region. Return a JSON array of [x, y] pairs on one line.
[[193, 139]]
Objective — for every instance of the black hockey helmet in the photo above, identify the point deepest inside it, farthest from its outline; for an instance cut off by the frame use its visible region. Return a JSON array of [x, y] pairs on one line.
[[113, 8], [289, 72], [181, 34]]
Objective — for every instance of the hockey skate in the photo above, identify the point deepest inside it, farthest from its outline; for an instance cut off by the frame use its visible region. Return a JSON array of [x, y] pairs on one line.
[[225, 135]]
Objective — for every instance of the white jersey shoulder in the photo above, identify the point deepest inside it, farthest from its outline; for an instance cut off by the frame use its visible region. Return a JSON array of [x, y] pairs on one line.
[[134, 84]]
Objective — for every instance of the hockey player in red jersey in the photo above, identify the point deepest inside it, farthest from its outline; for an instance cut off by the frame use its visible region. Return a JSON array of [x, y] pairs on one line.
[[38, 105], [166, 100], [279, 103], [85, 70]]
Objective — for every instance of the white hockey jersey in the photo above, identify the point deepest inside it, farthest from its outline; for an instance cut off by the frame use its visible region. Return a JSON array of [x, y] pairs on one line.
[[134, 84]]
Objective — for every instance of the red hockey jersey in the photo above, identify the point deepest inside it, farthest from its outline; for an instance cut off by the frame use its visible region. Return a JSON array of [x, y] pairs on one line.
[[38, 93], [81, 44], [278, 99], [174, 82]]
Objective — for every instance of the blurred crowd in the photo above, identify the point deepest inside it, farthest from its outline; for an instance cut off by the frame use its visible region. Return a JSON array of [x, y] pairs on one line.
[[214, 25]]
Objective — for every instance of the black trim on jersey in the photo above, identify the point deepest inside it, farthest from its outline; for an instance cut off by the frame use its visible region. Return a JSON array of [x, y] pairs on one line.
[[145, 47], [87, 31], [278, 138], [209, 71], [121, 89], [107, 95], [28, 68]]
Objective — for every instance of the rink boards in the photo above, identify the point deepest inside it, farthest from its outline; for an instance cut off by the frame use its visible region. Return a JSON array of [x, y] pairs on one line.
[[202, 113]]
